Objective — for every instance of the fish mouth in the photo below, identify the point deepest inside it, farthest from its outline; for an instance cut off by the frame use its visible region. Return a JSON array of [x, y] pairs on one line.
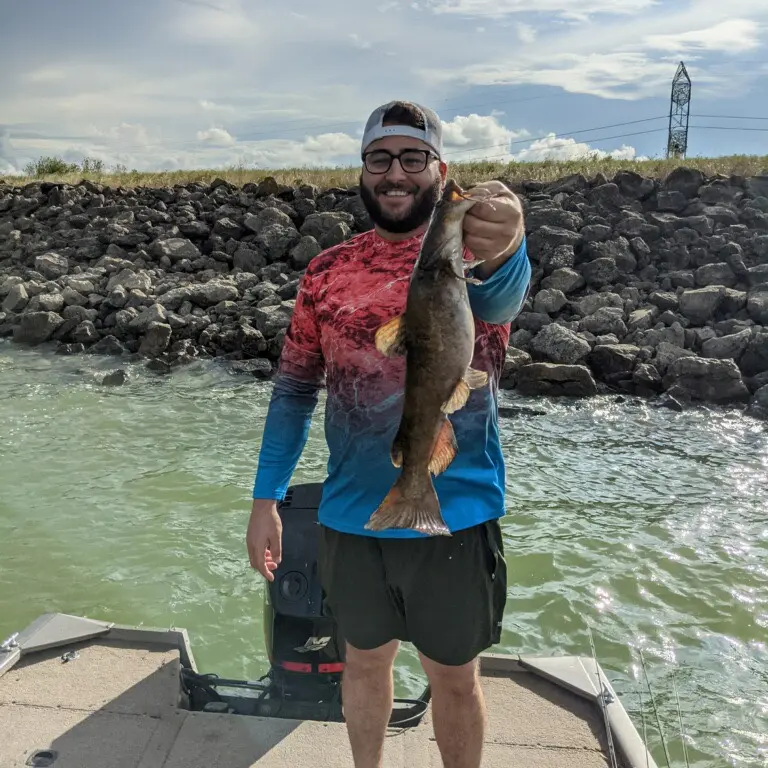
[[453, 193]]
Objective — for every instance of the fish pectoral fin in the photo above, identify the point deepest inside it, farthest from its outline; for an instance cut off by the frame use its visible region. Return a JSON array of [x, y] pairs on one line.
[[475, 379], [472, 379], [472, 264], [445, 449], [390, 337], [457, 399]]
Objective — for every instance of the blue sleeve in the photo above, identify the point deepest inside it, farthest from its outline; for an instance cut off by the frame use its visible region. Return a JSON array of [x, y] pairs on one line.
[[286, 429], [501, 297]]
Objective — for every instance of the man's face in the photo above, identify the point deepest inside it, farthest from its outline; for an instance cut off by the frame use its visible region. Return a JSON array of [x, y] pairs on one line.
[[400, 201]]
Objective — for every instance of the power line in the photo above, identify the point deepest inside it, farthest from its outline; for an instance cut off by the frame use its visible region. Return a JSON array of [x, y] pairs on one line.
[[558, 135], [727, 128], [602, 138], [731, 117]]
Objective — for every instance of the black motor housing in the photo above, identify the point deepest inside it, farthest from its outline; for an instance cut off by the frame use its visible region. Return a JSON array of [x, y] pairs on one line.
[[300, 636]]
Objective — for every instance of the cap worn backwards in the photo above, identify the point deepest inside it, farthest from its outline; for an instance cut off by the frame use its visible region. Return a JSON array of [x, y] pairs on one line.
[[431, 134]]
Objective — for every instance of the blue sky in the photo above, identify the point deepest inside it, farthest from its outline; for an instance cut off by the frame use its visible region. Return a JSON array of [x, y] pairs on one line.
[[155, 84]]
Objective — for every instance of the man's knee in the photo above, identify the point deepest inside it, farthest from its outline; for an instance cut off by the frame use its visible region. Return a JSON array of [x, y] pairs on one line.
[[458, 680], [371, 661]]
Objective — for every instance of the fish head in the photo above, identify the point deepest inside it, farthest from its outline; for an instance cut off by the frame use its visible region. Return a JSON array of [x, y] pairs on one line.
[[455, 202]]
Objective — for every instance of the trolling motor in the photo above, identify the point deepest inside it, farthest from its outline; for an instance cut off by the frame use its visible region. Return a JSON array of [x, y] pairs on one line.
[[304, 645]]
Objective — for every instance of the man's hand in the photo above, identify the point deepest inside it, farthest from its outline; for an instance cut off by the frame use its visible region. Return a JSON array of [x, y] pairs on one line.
[[264, 537], [494, 229]]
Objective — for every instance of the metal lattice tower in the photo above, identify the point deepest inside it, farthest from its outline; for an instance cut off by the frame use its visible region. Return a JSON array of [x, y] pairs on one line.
[[679, 107]]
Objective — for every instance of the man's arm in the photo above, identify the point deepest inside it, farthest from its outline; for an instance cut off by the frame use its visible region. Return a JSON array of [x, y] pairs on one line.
[[500, 297], [300, 376]]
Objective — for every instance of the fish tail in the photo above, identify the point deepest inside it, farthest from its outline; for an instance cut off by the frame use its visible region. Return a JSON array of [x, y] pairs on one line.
[[411, 505]]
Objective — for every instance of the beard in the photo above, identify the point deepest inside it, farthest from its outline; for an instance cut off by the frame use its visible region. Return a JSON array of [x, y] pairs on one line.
[[419, 212]]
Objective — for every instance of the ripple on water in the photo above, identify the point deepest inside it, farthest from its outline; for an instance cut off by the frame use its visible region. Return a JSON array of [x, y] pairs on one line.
[[130, 504]]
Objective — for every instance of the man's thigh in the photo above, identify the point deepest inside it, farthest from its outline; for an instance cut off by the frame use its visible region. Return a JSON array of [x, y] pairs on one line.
[[357, 596], [453, 590]]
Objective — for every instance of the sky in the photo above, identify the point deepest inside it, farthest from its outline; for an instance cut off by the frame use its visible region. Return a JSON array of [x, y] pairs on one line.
[[181, 84]]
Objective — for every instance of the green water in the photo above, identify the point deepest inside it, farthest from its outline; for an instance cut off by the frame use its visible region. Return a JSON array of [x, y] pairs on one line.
[[130, 504]]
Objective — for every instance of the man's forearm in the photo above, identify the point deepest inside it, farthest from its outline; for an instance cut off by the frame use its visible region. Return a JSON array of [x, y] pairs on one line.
[[500, 297], [285, 434]]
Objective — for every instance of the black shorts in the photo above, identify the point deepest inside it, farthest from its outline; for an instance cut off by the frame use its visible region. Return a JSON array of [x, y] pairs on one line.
[[444, 594]]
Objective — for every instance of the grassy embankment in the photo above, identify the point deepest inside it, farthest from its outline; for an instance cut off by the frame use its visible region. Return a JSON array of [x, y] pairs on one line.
[[466, 173]]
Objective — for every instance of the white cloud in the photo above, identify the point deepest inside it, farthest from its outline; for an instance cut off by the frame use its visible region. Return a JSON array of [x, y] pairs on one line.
[[467, 137], [358, 42], [212, 106], [576, 9], [225, 21], [525, 32], [729, 36], [217, 136], [553, 148], [611, 76]]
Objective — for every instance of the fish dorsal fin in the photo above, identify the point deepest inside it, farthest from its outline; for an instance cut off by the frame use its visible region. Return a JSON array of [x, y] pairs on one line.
[[390, 337], [445, 449], [472, 379]]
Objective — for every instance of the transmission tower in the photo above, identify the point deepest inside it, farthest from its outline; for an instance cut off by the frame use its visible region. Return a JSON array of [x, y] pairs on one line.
[[679, 107]]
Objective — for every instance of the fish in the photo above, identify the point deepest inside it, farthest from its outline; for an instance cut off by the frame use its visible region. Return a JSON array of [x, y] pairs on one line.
[[436, 335]]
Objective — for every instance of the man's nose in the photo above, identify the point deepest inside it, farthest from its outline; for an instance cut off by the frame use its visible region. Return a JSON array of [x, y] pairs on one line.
[[396, 172]]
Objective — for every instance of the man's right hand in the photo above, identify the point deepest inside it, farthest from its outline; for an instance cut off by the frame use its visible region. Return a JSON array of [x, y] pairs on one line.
[[264, 537]]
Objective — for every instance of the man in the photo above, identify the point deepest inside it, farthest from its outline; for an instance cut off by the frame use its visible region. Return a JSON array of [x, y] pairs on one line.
[[446, 595]]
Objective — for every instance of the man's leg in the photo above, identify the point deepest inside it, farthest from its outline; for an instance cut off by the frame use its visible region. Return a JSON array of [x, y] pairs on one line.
[[454, 592], [359, 599], [367, 693], [458, 712]]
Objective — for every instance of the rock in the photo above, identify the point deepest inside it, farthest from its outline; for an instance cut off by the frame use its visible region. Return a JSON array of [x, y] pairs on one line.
[[685, 180], [590, 304], [699, 305], [559, 345], [559, 257], [612, 360], [727, 347], [715, 274], [37, 327], [304, 251], [757, 306], [555, 380], [549, 301], [85, 333], [114, 378], [17, 299], [600, 272], [664, 300], [258, 368], [667, 353], [318, 224], [715, 381], [646, 379], [641, 319], [211, 293], [606, 320], [109, 345], [155, 340], [754, 361], [270, 320], [514, 360], [564, 279], [175, 249], [52, 265], [758, 406]]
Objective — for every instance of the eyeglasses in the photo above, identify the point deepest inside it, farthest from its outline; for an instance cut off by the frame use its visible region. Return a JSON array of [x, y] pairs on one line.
[[411, 160]]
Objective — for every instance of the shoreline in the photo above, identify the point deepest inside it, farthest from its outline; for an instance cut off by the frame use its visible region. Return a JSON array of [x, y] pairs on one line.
[[641, 286]]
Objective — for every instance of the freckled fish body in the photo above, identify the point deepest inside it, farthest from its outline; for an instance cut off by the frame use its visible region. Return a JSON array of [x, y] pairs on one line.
[[436, 335]]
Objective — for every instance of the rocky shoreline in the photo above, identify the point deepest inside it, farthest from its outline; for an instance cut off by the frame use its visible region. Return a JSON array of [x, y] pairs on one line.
[[641, 287]]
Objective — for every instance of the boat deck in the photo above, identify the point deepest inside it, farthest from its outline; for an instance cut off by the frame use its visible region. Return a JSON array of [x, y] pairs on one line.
[[118, 704]]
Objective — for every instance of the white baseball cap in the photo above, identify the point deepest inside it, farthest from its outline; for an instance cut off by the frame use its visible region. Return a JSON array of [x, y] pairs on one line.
[[431, 134]]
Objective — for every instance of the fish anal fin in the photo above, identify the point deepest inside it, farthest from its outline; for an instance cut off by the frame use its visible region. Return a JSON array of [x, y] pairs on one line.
[[390, 337], [445, 449]]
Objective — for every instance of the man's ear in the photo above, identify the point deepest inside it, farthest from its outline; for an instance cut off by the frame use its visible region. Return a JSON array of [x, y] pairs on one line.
[[443, 171]]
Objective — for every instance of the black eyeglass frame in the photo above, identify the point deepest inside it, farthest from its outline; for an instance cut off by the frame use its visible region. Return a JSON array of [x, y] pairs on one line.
[[428, 154]]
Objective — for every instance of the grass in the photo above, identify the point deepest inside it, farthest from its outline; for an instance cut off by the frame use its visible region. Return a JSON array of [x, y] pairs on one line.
[[51, 169]]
